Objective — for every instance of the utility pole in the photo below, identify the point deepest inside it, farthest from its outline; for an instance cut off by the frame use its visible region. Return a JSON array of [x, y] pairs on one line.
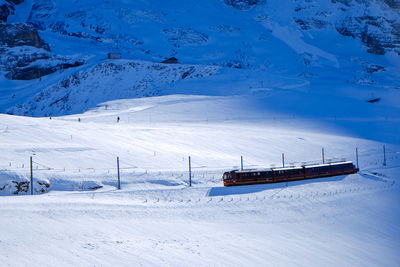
[[241, 163], [283, 160], [31, 177], [119, 181], [323, 156], [384, 155], [357, 158], [190, 172]]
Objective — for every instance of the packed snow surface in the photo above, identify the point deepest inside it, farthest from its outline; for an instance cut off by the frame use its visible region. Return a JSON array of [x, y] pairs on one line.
[[157, 219]]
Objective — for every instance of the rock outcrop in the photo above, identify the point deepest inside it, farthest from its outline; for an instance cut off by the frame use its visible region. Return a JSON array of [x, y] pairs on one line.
[[34, 72], [108, 81], [377, 33], [21, 34], [12, 183], [243, 4], [4, 12], [7, 8], [15, 2]]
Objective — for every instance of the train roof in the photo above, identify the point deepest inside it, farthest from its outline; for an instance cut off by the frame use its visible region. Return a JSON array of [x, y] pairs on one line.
[[293, 167], [253, 170], [286, 168], [268, 169]]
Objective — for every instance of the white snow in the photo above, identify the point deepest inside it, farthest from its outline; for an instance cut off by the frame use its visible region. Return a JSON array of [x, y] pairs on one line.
[[156, 219], [289, 96]]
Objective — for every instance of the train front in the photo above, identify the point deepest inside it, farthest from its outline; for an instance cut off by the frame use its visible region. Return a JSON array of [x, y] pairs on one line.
[[228, 178]]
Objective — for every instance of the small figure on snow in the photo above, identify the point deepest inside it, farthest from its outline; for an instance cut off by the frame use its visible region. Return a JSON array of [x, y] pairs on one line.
[[118, 119], [79, 119]]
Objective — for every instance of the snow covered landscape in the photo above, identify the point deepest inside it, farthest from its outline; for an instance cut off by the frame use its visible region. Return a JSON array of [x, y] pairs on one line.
[[262, 80]]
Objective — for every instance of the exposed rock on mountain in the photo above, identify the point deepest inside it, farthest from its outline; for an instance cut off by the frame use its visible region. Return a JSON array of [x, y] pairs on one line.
[[4, 12], [307, 41], [108, 81], [7, 8], [377, 33], [393, 3], [16, 2], [21, 34], [182, 37], [34, 72], [27, 63], [243, 4]]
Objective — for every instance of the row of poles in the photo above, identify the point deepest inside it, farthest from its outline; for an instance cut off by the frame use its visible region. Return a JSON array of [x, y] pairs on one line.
[[323, 157], [190, 167]]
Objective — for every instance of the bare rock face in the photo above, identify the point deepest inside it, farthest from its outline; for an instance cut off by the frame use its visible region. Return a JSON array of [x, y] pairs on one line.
[[28, 63], [24, 55], [34, 72], [395, 4], [21, 34], [15, 2], [4, 12], [8, 9], [12, 183], [243, 4], [377, 33]]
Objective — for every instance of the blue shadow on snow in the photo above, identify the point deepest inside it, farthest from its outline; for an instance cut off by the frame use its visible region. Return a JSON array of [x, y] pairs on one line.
[[247, 189]]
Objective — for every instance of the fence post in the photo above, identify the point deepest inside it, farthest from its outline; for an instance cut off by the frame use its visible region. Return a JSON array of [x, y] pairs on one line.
[[31, 177], [283, 160], [323, 156], [190, 172], [241, 163], [384, 155], [357, 158], [119, 181]]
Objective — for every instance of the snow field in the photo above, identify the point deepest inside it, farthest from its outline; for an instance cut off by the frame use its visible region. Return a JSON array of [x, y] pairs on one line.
[[156, 219]]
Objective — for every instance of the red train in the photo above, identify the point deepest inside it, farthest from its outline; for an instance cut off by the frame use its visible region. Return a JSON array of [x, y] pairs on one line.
[[276, 175]]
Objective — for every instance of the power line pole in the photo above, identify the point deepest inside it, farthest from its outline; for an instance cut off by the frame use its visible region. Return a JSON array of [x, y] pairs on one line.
[[119, 181], [357, 157], [384, 155], [241, 163], [190, 172], [323, 156], [283, 160], [31, 177]]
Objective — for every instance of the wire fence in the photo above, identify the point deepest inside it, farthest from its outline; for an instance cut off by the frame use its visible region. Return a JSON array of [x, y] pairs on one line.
[[201, 174]]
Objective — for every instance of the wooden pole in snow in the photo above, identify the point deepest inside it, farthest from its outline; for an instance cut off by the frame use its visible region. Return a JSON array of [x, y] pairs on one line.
[[31, 177], [119, 181], [241, 163], [190, 172], [357, 158], [384, 155], [323, 156], [283, 160]]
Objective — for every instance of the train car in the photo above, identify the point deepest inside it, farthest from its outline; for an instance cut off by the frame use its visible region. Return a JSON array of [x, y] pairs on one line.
[[276, 175]]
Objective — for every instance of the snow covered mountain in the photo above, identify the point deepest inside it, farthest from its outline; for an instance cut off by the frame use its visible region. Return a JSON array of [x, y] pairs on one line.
[[54, 53], [264, 81]]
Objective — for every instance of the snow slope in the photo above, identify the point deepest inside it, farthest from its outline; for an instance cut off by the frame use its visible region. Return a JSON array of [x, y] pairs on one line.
[[254, 82], [156, 219]]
